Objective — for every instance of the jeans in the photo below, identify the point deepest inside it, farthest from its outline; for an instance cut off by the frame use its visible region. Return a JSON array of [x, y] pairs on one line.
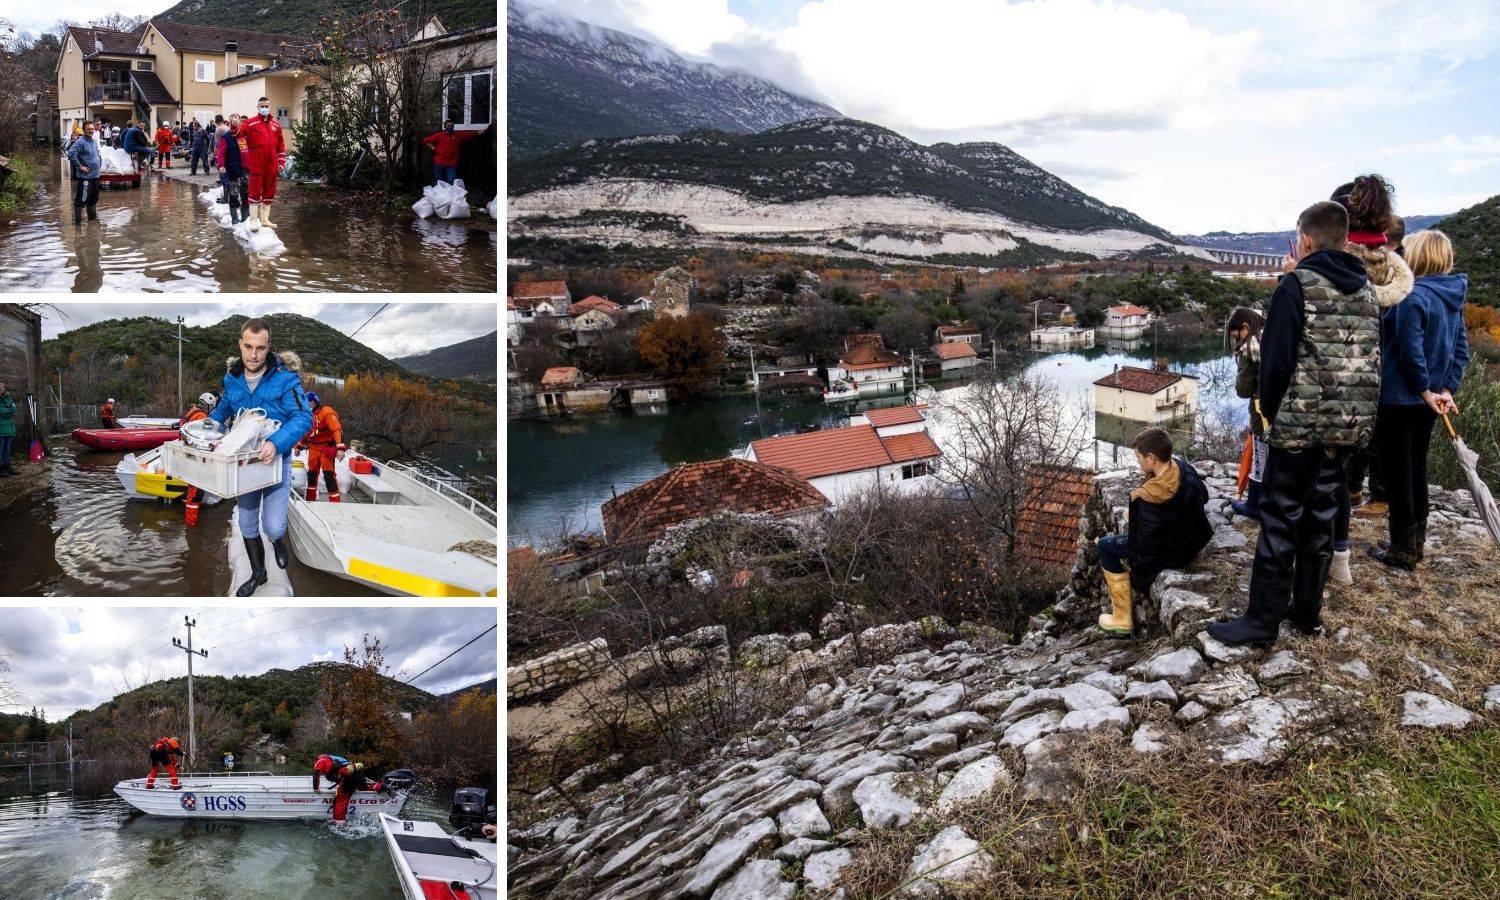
[[1405, 434], [1114, 551], [267, 506], [445, 174], [5, 450]]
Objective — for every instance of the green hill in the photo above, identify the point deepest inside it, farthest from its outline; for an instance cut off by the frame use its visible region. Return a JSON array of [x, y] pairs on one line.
[[1476, 245], [301, 16], [474, 359]]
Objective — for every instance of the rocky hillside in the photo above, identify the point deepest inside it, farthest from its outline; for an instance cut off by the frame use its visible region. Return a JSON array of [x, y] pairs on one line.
[[937, 763], [302, 16], [569, 81], [475, 360], [1476, 245]]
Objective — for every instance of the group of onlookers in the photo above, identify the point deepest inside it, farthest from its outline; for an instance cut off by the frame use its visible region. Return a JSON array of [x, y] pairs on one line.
[[1359, 352]]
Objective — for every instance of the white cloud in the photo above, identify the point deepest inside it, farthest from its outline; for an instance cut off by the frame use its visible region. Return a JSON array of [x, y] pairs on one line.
[[687, 26]]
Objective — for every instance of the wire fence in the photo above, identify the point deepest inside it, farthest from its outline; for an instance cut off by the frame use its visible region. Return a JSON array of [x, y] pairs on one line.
[[78, 415]]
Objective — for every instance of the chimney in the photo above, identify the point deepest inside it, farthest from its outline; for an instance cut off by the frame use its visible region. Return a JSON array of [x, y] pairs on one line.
[[231, 59]]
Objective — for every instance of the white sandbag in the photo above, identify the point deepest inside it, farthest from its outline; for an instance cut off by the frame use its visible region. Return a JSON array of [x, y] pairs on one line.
[[218, 209], [458, 209], [266, 242], [490, 208], [211, 196], [115, 162], [423, 207], [224, 219]]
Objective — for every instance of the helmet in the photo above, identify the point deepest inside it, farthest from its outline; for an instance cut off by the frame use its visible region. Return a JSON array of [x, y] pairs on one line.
[[207, 398], [110, 400], [174, 743], [312, 397]]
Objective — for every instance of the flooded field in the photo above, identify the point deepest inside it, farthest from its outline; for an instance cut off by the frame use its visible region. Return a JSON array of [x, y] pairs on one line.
[[160, 238]]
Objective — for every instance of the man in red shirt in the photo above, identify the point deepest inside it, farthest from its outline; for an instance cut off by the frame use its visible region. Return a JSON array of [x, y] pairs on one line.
[[445, 148], [266, 153]]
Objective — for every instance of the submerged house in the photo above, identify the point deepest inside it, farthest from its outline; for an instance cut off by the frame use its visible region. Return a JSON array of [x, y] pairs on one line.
[[1151, 396], [696, 490], [1127, 321], [868, 367]]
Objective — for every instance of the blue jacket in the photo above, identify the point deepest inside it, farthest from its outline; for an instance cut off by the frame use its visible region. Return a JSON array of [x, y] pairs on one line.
[[85, 152], [200, 140], [135, 140], [1423, 346], [279, 394]]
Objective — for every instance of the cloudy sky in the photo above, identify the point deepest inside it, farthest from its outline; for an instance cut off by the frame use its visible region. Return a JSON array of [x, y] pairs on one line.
[[1195, 114], [402, 329], [65, 659]]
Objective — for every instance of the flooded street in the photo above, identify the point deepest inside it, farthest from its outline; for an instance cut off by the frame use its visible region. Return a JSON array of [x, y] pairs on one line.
[[160, 238], [58, 844], [80, 535]]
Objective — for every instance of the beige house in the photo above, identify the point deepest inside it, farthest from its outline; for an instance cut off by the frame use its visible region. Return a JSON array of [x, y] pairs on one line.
[[463, 64], [160, 72], [1150, 396]]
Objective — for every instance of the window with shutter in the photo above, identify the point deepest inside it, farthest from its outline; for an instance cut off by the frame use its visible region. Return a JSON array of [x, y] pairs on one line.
[[203, 71]]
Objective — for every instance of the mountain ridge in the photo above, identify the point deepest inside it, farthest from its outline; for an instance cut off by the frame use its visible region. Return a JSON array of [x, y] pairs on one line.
[[473, 360]]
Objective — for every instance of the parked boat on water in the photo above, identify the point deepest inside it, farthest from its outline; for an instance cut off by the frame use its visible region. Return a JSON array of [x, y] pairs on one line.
[[147, 422], [139, 476], [255, 795], [120, 440], [431, 863]]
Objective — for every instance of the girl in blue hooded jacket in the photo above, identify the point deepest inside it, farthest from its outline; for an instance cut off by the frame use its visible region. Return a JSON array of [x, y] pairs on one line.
[[1423, 350]]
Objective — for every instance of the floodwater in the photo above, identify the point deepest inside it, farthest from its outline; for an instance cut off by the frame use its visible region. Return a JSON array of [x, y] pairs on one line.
[[57, 844], [561, 469], [160, 238], [82, 536]]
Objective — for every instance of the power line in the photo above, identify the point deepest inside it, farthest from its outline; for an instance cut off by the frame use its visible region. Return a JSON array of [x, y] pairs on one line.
[[300, 627], [453, 654], [369, 320]]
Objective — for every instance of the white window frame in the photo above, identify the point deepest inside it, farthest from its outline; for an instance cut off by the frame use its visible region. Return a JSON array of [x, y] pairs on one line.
[[205, 117], [201, 66], [145, 65], [247, 68], [463, 123]]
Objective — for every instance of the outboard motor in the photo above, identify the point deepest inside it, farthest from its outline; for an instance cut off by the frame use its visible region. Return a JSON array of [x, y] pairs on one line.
[[471, 806], [399, 780]]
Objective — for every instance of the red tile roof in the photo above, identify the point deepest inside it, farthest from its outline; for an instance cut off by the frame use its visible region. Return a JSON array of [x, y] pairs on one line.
[[1130, 309], [559, 377], [594, 302], [867, 351], [539, 290], [828, 452], [211, 39], [894, 415], [694, 490], [1140, 381], [955, 350], [907, 447], [1047, 530], [955, 330]]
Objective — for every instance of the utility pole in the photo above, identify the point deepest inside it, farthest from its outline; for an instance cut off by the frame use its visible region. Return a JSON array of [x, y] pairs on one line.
[[913, 375], [179, 362], [994, 357], [188, 648]]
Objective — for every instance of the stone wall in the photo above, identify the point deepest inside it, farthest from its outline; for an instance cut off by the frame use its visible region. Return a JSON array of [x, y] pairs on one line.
[[569, 665]]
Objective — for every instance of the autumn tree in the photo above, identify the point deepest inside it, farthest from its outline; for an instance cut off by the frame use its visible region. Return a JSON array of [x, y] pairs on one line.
[[686, 350], [361, 707], [407, 414], [906, 329]]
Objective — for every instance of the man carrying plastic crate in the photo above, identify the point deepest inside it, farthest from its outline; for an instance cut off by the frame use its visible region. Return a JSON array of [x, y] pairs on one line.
[[273, 382]]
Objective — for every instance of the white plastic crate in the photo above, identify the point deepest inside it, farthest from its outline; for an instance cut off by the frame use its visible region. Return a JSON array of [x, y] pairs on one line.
[[225, 474]]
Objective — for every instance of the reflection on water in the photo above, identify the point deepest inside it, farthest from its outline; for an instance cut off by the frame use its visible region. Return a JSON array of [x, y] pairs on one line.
[[160, 238], [82, 536], [56, 844]]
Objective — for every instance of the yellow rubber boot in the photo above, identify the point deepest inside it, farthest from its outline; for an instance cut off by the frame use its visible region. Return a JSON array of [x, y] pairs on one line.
[[265, 216], [254, 217], [1121, 620]]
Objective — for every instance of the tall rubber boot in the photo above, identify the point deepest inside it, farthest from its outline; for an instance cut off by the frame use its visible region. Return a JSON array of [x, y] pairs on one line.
[[93, 214], [1250, 506], [278, 549], [1121, 618], [331, 479], [254, 217], [1404, 551], [312, 493], [257, 553], [78, 214], [265, 216]]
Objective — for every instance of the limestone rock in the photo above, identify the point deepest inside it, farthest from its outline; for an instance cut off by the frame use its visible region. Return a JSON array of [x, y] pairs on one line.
[[1108, 682], [842, 780], [1115, 718], [1356, 667], [1220, 652], [1262, 730], [1071, 697], [934, 745], [1181, 666], [822, 871], [1431, 674], [952, 858], [1179, 607], [1224, 688], [760, 879], [1191, 712], [1227, 538], [1282, 666], [973, 781], [801, 848], [1049, 773], [940, 702], [1149, 691], [803, 819], [1492, 699], [1030, 728], [765, 649], [1423, 710], [888, 800], [722, 857], [1149, 738]]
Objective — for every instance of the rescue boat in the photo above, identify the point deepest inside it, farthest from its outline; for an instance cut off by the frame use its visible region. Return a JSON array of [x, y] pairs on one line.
[[431, 863], [253, 795], [124, 439], [147, 422], [396, 529], [141, 480]]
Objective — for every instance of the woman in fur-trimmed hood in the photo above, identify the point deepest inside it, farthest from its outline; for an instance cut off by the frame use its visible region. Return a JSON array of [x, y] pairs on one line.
[[1371, 217]]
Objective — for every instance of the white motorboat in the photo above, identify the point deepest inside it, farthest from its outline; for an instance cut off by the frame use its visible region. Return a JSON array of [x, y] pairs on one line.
[[398, 530], [147, 422], [250, 795], [431, 863], [139, 476], [841, 390]]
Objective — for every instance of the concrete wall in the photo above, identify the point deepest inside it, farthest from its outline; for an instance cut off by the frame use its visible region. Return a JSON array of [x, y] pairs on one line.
[[841, 487], [560, 668], [21, 362], [70, 88]]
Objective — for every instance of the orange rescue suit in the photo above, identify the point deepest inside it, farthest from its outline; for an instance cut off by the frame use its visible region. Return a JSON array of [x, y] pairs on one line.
[[324, 441]]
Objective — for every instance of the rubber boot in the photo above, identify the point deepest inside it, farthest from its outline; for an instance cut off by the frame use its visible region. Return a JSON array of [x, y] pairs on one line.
[[254, 217], [1250, 506], [1120, 619], [1306, 615], [278, 549], [257, 553], [331, 480], [1338, 570], [93, 214], [312, 493], [1403, 552], [265, 216], [1418, 542], [78, 214], [1244, 630], [234, 215]]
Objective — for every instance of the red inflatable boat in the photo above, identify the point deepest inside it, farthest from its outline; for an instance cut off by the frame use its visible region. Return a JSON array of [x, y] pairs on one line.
[[123, 440]]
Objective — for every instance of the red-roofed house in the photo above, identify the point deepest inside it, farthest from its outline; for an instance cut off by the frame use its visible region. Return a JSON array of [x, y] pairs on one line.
[[1151, 396], [844, 462], [955, 357], [1047, 529], [695, 490], [867, 366], [1127, 321], [543, 298], [963, 332], [595, 314], [894, 419]]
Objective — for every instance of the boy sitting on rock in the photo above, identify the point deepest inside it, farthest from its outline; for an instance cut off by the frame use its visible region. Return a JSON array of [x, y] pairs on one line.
[[1168, 527]]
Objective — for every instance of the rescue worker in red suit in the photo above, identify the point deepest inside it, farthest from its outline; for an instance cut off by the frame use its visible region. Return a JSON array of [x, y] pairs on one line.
[[325, 444], [265, 155], [164, 141], [166, 752], [199, 410], [107, 413], [349, 779]]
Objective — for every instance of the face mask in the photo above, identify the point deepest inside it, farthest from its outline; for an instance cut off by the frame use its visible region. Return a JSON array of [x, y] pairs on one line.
[[265, 110]]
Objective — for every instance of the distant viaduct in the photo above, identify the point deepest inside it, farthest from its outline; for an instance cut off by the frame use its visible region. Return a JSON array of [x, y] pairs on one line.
[[1244, 258]]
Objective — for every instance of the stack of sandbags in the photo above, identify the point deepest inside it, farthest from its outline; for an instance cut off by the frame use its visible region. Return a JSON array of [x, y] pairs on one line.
[[211, 196], [446, 201], [113, 161], [220, 212], [263, 241], [490, 208]]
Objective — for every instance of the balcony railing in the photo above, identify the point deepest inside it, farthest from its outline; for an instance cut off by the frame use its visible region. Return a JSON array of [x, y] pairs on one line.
[[109, 93]]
